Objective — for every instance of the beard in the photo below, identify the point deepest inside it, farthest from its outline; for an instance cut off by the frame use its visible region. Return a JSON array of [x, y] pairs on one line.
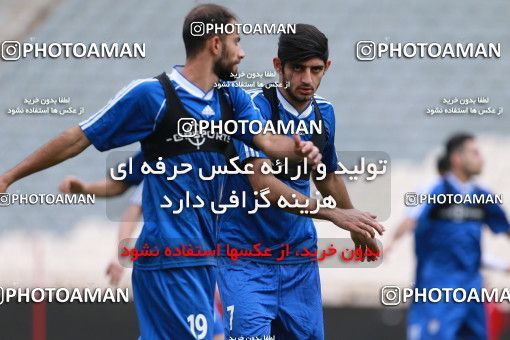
[[293, 95], [223, 70]]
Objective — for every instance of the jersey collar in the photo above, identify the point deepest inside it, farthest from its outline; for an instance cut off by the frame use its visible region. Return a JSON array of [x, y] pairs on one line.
[[462, 187], [187, 85], [289, 108]]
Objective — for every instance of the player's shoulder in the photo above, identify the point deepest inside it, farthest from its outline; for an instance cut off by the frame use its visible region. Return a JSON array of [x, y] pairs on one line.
[[326, 108], [260, 101], [257, 95], [255, 92], [142, 87], [323, 102], [483, 189], [439, 186], [234, 91]]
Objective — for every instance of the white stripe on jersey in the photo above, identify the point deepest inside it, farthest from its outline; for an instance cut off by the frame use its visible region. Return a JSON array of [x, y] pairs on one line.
[[305, 114], [323, 102], [85, 124], [249, 152], [156, 119], [246, 151], [253, 93], [320, 99]]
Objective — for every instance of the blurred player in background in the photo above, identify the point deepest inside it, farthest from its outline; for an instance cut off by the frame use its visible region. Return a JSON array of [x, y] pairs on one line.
[[447, 246], [280, 296], [408, 223]]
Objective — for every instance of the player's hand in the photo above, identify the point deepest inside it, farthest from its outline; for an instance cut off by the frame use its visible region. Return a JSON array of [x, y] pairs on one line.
[[307, 150], [72, 185], [114, 271], [357, 221], [360, 240]]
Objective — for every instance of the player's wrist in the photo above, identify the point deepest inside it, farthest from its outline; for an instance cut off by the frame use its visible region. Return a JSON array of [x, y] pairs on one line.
[[84, 188], [5, 182], [328, 214]]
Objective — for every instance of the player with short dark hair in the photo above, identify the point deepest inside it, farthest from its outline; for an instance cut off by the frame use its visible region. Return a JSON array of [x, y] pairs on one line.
[[273, 296], [173, 296], [194, 42]]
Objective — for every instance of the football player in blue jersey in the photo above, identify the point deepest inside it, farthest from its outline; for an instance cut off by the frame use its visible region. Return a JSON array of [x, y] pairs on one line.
[[447, 246], [131, 215], [174, 296], [273, 296]]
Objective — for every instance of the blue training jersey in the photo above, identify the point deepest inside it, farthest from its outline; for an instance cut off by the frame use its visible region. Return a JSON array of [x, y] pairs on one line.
[[447, 243], [131, 116], [272, 226], [134, 177]]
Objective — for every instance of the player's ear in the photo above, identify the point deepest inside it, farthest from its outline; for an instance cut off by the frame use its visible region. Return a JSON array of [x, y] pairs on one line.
[[455, 159], [277, 63], [328, 64], [215, 45]]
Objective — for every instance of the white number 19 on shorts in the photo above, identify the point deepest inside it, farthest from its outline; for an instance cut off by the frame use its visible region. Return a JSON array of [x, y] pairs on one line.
[[198, 324]]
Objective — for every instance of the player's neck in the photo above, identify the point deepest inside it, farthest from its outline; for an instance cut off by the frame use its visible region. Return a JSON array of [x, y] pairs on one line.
[[299, 106], [461, 176], [200, 73]]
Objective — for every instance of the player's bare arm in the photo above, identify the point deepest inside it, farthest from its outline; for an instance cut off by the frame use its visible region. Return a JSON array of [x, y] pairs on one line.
[[130, 217], [279, 146], [106, 187], [348, 219], [68, 144]]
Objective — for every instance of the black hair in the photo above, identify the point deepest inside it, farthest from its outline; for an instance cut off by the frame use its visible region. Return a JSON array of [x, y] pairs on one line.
[[305, 43], [205, 14], [456, 143], [443, 165]]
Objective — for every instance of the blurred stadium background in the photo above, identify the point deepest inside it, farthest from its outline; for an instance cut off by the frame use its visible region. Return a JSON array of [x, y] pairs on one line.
[[380, 106]]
